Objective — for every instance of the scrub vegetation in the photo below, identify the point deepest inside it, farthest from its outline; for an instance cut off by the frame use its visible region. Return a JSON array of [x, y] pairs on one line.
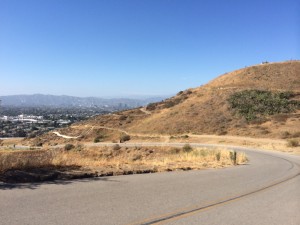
[[113, 160], [257, 104]]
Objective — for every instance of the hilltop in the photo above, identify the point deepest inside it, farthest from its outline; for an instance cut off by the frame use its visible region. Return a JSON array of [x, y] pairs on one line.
[[258, 101]]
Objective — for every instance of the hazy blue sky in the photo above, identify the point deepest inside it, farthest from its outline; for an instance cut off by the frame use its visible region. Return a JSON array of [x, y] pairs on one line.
[[138, 47]]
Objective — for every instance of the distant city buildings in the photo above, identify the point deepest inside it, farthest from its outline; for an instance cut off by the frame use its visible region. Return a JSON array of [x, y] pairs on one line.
[[33, 121], [24, 118]]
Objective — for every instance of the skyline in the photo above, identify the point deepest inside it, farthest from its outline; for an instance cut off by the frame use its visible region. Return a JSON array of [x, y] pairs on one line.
[[132, 48]]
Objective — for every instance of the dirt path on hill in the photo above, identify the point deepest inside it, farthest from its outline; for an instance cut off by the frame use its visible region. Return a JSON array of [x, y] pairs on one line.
[[167, 137], [265, 143], [145, 111], [64, 136], [210, 136]]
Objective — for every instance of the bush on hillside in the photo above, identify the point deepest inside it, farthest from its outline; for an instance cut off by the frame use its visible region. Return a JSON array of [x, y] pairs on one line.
[[256, 104], [293, 143], [124, 137], [187, 148], [99, 138], [151, 106], [69, 147], [123, 117]]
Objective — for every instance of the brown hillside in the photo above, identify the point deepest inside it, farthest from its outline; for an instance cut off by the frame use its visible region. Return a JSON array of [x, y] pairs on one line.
[[207, 110], [272, 76]]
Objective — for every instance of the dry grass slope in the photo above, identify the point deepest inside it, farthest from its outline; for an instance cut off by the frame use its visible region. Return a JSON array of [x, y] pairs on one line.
[[206, 110]]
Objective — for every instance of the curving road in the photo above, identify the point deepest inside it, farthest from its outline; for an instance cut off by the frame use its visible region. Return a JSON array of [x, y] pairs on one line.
[[265, 191]]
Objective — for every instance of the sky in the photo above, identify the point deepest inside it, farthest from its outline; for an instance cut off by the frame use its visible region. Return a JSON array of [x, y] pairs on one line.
[[123, 48]]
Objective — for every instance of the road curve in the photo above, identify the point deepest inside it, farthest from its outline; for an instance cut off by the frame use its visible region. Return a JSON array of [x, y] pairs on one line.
[[265, 191]]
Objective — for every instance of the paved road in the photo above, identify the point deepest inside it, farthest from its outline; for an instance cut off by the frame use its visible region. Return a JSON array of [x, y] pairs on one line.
[[265, 191]]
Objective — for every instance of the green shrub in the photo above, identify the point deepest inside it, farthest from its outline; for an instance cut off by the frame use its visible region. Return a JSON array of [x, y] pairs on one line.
[[151, 106], [188, 92], [256, 104], [39, 144], [187, 148], [69, 147], [124, 137], [293, 143], [170, 104], [98, 138], [185, 136], [123, 117]]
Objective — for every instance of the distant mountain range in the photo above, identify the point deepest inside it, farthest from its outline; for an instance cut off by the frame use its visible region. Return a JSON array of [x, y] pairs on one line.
[[36, 100]]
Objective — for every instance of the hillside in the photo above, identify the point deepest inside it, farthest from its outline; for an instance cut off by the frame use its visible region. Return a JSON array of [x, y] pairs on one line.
[[257, 101], [206, 110]]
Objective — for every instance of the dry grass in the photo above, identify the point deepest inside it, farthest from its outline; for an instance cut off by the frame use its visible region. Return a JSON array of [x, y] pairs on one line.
[[26, 159], [198, 158], [107, 161]]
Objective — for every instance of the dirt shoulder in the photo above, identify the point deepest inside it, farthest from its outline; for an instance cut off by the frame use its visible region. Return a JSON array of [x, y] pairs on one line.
[[281, 145]]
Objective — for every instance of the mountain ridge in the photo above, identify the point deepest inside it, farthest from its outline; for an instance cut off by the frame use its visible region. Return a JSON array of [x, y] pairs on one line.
[[73, 101]]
